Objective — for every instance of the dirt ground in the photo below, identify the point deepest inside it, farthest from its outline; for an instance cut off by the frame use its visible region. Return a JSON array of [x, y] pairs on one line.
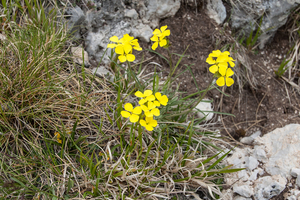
[[271, 103]]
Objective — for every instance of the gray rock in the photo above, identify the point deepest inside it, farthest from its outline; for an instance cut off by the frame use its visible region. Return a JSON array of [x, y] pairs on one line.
[[131, 13], [295, 172], [75, 20], [298, 181], [241, 198], [268, 187], [260, 153], [246, 15], [247, 140], [143, 32], [251, 163], [103, 73], [256, 134], [294, 194], [243, 190], [216, 10], [202, 109], [78, 57]]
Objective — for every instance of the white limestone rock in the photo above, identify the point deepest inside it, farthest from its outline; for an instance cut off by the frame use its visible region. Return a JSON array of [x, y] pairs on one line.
[[216, 10], [241, 198], [247, 140], [80, 55], [131, 13], [269, 186], [202, 109], [243, 190], [295, 172], [143, 32], [282, 147]]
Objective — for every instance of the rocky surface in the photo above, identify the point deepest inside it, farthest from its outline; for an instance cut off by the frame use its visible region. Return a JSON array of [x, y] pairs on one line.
[[270, 164]]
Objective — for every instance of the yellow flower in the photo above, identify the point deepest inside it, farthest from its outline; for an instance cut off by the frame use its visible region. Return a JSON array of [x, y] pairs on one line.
[[163, 100], [124, 47], [221, 61], [225, 78], [159, 37], [132, 113], [146, 96], [58, 137], [149, 123], [150, 110]]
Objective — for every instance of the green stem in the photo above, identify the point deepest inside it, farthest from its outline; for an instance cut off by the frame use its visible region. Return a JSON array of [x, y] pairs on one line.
[[170, 62]]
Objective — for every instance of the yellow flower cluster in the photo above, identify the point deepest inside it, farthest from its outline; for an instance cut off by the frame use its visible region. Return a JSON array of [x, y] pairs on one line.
[[148, 103], [220, 67], [124, 47], [58, 136], [159, 37]]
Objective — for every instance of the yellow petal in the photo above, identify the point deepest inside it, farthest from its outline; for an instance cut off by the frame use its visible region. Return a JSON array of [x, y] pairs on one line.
[[125, 114], [221, 81], [154, 38], [156, 103], [148, 114], [142, 101], [128, 107], [122, 58], [150, 98], [222, 58], [215, 53], [138, 48], [229, 72], [167, 33], [119, 49], [128, 38], [130, 57], [229, 81], [137, 110], [213, 69], [127, 48], [114, 39], [210, 60], [151, 105], [153, 123], [154, 46], [111, 46], [156, 32], [222, 70], [155, 112], [148, 92], [134, 118], [139, 94], [144, 108], [226, 53], [164, 100], [149, 128], [143, 122], [163, 28], [232, 64], [163, 43], [158, 95], [223, 64]]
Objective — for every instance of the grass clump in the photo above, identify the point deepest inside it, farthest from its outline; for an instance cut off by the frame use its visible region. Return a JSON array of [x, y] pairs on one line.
[[65, 134]]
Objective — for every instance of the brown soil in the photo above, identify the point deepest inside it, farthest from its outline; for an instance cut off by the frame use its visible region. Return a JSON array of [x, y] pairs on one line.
[[273, 103]]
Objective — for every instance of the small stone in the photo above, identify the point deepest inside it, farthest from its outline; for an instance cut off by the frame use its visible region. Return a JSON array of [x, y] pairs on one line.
[[298, 181], [131, 13], [251, 163], [241, 198], [202, 109], [78, 57], [247, 140], [243, 190], [256, 134], [295, 172]]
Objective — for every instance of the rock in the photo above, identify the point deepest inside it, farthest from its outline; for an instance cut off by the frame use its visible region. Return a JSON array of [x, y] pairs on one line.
[[295, 172], [282, 147], [251, 163], [260, 154], [75, 20], [246, 15], [298, 181], [241, 198], [131, 14], [294, 195], [202, 109], [247, 140], [256, 134], [216, 10], [103, 72], [243, 190], [268, 187], [77, 54], [144, 32]]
